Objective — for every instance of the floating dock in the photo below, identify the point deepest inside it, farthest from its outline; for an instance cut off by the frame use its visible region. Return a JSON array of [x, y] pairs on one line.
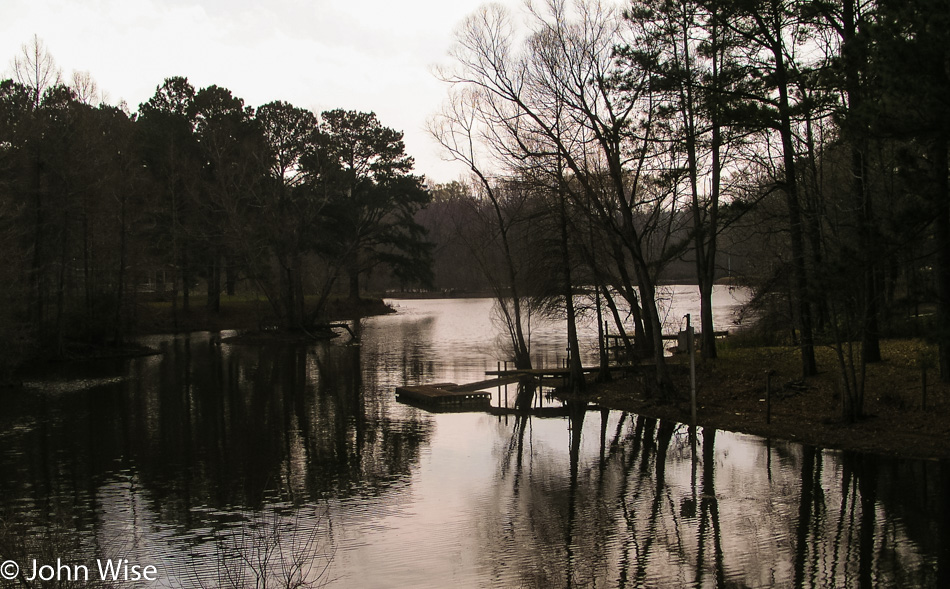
[[442, 394], [449, 396]]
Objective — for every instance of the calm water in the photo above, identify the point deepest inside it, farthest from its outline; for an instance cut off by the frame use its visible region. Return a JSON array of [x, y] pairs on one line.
[[218, 462]]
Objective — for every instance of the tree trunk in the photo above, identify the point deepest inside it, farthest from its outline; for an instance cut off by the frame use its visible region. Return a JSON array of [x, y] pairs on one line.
[[870, 346], [704, 230], [300, 302], [353, 274], [708, 341], [213, 303], [61, 285], [36, 263], [230, 280], [663, 382], [290, 319], [354, 280], [642, 333], [185, 284], [602, 344], [120, 280], [942, 236], [871, 342], [577, 380], [628, 345], [790, 185], [86, 274]]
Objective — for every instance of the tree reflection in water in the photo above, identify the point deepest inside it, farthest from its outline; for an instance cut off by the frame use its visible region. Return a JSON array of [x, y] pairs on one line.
[[197, 444], [645, 509], [179, 451]]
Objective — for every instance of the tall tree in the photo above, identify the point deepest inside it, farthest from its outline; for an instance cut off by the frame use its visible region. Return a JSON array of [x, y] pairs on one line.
[[910, 52], [291, 211], [230, 147], [375, 199], [170, 152], [686, 50], [769, 32]]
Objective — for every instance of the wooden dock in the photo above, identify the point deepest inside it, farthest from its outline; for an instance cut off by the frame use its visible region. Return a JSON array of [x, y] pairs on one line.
[[442, 394], [451, 394]]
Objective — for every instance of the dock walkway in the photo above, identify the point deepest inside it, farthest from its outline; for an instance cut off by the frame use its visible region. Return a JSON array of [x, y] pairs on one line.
[[539, 372], [476, 394]]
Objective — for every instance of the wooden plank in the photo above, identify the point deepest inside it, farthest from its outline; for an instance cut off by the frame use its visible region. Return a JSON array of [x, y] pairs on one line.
[[486, 384]]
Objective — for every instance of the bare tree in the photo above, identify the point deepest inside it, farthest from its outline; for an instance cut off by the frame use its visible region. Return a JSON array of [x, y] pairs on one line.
[[36, 69], [456, 128], [551, 108], [85, 89]]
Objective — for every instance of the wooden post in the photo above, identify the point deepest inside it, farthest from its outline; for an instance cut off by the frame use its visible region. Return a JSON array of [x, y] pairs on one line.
[[498, 366], [690, 347], [768, 397], [923, 385]]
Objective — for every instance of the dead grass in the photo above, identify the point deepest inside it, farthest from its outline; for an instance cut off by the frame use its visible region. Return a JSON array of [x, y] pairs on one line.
[[731, 395]]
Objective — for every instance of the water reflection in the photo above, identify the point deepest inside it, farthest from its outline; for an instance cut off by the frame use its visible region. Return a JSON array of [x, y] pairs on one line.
[[643, 510], [217, 427], [192, 458], [198, 440]]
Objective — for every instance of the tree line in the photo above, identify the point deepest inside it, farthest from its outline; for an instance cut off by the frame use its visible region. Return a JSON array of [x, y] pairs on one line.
[[195, 192], [809, 138]]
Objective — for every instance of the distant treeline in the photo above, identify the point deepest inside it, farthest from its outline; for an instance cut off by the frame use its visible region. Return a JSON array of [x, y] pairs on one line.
[[102, 209]]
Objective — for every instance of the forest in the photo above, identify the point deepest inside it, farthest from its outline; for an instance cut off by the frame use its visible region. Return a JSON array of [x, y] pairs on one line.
[[806, 141], [103, 211], [796, 148]]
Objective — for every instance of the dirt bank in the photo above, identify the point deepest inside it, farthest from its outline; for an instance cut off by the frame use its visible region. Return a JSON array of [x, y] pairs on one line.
[[731, 396]]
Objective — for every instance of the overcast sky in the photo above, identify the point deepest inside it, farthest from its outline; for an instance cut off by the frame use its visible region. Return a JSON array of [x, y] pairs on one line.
[[367, 55]]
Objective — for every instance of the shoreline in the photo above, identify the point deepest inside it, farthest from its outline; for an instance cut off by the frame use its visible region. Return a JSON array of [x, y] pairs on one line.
[[731, 390], [828, 436], [453, 293], [238, 314], [250, 317]]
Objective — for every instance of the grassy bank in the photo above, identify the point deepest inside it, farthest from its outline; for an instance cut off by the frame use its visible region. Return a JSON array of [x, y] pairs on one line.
[[731, 394]]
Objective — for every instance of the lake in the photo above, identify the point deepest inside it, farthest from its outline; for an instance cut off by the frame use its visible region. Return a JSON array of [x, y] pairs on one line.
[[228, 465]]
